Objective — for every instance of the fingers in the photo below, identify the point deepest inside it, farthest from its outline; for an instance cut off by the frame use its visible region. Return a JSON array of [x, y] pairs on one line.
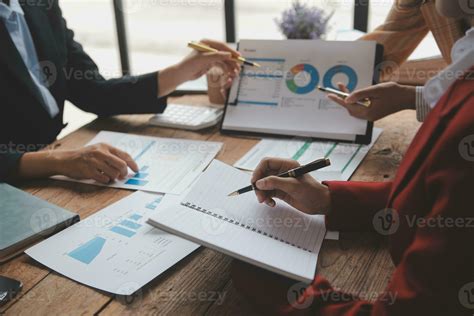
[[272, 166], [276, 194], [342, 87], [213, 58], [362, 94], [287, 185], [125, 157], [119, 165], [98, 176], [337, 99], [104, 168], [358, 111]]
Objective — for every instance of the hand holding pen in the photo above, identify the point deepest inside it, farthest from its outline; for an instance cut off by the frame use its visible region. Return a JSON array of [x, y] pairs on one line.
[[302, 192], [385, 99]]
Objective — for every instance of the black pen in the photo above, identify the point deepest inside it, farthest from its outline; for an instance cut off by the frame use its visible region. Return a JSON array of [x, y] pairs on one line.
[[293, 173]]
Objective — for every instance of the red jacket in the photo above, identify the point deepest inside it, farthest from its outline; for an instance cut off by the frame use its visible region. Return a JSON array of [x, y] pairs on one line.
[[430, 226]]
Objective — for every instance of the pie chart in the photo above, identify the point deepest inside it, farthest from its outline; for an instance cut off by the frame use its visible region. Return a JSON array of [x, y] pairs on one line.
[[302, 79], [341, 69]]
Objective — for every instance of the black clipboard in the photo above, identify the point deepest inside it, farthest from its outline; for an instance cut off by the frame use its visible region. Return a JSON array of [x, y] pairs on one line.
[[363, 139]]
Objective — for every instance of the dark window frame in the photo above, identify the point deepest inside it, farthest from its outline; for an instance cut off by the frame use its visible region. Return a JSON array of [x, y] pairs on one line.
[[361, 19]]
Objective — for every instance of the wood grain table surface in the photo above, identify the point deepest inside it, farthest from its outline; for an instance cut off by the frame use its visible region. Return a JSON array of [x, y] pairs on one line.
[[200, 284]]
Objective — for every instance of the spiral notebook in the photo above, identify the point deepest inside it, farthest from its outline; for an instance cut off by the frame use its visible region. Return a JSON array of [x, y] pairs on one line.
[[280, 239]]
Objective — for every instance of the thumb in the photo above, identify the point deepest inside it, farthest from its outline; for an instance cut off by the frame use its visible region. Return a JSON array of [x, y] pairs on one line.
[[286, 185]]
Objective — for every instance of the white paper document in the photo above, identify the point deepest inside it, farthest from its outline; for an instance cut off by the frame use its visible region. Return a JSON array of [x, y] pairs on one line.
[[281, 97], [280, 239], [115, 250], [345, 158], [167, 165]]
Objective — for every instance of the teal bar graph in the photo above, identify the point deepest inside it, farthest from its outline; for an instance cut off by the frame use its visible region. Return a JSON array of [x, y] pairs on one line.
[[87, 252], [122, 231], [135, 217], [130, 224]]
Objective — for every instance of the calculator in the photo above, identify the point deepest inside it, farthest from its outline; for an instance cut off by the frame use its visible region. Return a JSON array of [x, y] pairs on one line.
[[187, 117]]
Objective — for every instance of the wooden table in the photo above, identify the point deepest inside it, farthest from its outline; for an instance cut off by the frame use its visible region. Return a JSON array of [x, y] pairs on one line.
[[200, 284]]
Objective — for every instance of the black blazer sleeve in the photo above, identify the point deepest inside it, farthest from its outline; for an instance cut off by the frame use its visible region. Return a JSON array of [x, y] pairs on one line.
[[8, 163], [88, 90]]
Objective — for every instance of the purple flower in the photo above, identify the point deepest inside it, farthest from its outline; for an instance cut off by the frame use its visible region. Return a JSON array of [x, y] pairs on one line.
[[303, 22]]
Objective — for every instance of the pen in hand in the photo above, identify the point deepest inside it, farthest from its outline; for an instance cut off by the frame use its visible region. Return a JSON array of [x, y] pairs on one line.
[[293, 173], [367, 103], [200, 47]]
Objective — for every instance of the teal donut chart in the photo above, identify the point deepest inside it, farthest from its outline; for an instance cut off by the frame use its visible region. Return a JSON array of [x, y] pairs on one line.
[[295, 70], [341, 69]]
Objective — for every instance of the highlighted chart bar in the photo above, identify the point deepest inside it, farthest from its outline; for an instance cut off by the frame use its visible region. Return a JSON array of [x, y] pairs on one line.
[[130, 224], [87, 252], [123, 231]]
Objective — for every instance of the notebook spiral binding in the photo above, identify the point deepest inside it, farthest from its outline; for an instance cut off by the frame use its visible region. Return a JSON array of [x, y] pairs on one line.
[[237, 223]]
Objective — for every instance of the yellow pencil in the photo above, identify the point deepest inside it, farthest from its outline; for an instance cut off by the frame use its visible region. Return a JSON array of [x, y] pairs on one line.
[[200, 47]]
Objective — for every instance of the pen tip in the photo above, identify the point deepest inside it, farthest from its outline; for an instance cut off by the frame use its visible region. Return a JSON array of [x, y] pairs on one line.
[[233, 193], [257, 65]]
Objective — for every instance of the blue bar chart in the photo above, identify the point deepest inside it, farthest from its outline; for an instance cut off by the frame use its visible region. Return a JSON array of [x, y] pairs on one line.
[[87, 252]]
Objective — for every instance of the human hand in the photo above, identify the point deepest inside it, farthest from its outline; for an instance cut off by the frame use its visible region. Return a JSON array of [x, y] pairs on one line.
[[304, 193], [197, 64], [386, 98], [102, 163]]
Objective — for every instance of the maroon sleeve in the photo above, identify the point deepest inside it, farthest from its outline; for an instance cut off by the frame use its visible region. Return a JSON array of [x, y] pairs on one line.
[[353, 204]]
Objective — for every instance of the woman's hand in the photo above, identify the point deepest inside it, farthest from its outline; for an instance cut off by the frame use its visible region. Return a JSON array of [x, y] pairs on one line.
[[303, 193], [100, 162], [197, 64], [386, 98]]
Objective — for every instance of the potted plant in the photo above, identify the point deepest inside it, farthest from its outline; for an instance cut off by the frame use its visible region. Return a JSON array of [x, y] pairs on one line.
[[302, 21]]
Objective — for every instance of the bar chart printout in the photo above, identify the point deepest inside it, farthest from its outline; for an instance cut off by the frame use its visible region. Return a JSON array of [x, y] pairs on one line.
[[166, 165], [115, 250]]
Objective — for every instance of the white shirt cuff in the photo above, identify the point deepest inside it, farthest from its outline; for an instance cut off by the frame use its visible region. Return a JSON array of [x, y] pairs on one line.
[[422, 108]]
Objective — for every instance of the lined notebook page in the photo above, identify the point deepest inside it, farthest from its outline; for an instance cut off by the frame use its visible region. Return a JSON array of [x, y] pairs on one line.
[[210, 192], [281, 222]]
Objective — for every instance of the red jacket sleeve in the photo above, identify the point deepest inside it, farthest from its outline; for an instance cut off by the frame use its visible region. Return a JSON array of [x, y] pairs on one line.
[[436, 273], [353, 204], [433, 277]]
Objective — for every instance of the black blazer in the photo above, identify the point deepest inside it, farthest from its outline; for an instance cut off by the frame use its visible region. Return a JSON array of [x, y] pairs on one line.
[[71, 75]]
